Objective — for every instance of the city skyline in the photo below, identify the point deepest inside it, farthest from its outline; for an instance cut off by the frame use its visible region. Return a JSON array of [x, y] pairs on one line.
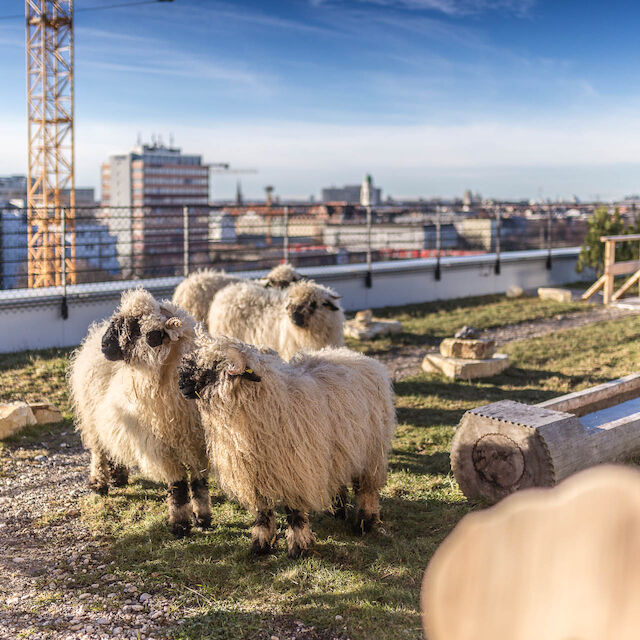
[[511, 98]]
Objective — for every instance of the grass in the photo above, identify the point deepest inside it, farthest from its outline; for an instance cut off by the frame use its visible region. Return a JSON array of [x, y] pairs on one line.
[[372, 582]]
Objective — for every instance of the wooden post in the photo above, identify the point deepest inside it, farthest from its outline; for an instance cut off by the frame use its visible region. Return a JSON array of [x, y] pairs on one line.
[[507, 446], [554, 564], [609, 259]]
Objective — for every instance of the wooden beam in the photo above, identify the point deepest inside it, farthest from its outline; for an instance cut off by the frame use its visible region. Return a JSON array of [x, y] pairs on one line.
[[627, 285], [609, 259], [622, 268], [631, 236], [594, 288]]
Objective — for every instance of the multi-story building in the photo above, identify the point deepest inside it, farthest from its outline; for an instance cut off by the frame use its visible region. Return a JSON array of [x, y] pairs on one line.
[[144, 192], [13, 188], [364, 194]]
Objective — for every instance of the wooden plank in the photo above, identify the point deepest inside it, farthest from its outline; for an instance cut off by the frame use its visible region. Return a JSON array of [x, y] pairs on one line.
[[544, 564], [594, 398], [627, 285], [631, 236], [621, 268], [594, 288], [609, 259]]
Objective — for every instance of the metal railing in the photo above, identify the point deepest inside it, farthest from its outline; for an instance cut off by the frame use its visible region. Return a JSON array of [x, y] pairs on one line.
[[136, 242]]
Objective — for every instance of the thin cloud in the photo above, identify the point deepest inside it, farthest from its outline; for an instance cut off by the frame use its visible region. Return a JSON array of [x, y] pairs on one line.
[[519, 8]]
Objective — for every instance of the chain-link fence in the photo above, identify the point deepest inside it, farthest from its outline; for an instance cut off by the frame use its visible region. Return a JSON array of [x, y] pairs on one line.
[[103, 244]]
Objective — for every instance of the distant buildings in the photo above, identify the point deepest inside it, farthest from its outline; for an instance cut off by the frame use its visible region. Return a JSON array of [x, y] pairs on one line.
[[364, 194], [13, 188], [145, 191]]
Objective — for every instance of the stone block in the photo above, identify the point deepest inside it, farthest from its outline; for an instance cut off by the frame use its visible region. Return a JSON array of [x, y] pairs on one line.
[[469, 349], [554, 293], [361, 331], [13, 417], [462, 369], [514, 291], [45, 412]]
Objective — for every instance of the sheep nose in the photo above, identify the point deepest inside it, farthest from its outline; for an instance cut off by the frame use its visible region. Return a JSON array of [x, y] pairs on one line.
[[298, 318]]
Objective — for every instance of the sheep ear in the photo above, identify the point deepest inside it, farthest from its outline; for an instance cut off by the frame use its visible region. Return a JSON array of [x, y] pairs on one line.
[[238, 367], [335, 296], [173, 327]]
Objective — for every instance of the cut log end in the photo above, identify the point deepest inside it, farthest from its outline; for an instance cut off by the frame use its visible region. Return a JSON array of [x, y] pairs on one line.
[[492, 458]]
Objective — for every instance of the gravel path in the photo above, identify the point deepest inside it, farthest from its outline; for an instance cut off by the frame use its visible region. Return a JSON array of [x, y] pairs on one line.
[[406, 361], [55, 580]]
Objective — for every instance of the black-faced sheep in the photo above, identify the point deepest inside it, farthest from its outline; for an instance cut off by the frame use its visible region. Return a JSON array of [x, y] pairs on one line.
[[306, 315], [129, 409], [293, 434], [195, 292]]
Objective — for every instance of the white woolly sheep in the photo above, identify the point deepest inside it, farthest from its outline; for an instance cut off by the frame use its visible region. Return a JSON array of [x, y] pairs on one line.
[[195, 292], [293, 434], [129, 409], [304, 316]]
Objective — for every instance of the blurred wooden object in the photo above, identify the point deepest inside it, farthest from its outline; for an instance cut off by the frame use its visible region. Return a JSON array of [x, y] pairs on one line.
[[544, 564], [508, 446]]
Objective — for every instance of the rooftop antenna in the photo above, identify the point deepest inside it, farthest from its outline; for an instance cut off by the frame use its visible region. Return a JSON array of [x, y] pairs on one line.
[[171, 140], [139, 139]]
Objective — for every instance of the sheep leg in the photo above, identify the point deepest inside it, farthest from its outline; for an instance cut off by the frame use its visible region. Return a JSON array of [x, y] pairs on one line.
[[299, 536], [263, 533], [340, 504], [99, 472], [201, 502], [119, 474], [367, 506], [179, 508]]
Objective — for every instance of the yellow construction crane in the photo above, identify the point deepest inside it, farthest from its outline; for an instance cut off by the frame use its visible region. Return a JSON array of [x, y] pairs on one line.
[[51, 227]]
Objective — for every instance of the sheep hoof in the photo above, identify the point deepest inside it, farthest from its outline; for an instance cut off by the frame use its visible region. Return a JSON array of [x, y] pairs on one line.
[[365, 522], [296, 551], [202, 521], [100, 488], [119, 478], [261, 547], [180, 529]]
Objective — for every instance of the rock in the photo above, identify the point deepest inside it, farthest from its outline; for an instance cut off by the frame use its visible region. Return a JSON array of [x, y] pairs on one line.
[[338, 618], [514, 291], [45, 412], [459, 368], [554, 293], [137, 607], [144, 597], [360, 331], [469, 349], [364, 317], [467, 333], [13, 417]]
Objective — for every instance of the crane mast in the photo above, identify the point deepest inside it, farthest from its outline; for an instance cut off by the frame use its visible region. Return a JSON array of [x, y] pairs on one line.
[[51, 224]]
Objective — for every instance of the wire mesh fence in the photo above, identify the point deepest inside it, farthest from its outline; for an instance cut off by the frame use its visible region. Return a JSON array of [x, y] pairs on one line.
[[105, 244]]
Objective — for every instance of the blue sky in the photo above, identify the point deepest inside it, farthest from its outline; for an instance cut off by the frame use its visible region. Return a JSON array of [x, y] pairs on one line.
[[511, 98]]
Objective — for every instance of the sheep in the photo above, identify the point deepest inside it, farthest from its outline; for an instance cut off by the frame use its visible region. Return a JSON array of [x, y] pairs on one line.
[[292, 434], [195, 293], [129, 410], [304, 316]]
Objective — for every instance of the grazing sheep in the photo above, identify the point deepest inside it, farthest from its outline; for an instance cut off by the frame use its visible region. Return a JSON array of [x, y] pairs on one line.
[[293, 434], [129, 409], [304, 316], [196, 291]]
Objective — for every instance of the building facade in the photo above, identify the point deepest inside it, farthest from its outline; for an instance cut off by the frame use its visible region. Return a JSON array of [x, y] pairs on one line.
[[144, 193], [364, 194]]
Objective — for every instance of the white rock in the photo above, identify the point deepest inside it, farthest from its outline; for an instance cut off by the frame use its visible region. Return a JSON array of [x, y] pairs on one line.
[[14, 416], [514, 291], [144, 597], [339, 618]]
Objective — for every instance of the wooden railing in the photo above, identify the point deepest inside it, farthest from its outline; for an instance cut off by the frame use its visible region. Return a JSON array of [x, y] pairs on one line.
[[613, 268]]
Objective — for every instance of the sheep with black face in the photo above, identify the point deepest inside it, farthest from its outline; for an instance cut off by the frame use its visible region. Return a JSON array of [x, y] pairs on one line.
[[306, 315], [129, 409], [292, 434], [195, 292]]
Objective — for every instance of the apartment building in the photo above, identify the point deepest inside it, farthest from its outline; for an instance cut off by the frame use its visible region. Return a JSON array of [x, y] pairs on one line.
[[144, 193]]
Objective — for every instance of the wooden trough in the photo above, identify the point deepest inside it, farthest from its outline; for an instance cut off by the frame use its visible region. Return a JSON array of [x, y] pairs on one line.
[[507, 446]]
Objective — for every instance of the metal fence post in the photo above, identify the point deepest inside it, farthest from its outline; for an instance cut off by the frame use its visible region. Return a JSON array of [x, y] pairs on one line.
[[496, 268], [549, 238], [437, 273], [185, 241], [286, 234], [368, 282], [64, 308]]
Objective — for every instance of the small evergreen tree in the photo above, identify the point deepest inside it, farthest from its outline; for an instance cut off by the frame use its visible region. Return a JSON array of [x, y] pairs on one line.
[[602, 223]]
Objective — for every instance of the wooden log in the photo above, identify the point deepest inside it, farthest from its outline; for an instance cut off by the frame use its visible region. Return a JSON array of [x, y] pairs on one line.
[[508, 446], [553, 564], [594, 288], [626, 286]]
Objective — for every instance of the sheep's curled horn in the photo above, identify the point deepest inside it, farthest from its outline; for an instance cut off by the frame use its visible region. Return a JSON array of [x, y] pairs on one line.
[[239, 368]]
